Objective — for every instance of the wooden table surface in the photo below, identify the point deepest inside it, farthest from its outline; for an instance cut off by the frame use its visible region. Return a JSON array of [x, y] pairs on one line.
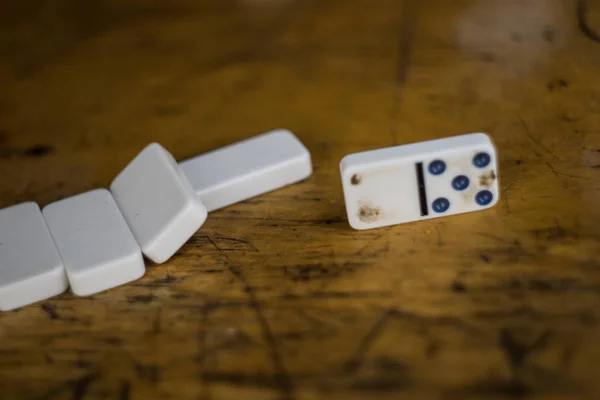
[[277, 297]]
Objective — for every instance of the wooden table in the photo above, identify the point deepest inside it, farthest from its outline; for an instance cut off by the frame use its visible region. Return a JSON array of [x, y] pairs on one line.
[[277, 297]]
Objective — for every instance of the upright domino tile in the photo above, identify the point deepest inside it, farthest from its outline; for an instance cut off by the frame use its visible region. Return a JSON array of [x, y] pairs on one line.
[[248, 168], [30, 267], [158, 203], [420, 181], [96, 245]]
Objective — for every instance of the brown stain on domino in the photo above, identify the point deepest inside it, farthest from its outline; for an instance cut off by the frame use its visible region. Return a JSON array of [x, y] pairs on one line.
[[368, 214], [487, 179]]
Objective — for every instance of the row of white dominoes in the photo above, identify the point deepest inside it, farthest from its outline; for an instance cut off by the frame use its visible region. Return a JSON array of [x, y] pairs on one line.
[[94, 241]]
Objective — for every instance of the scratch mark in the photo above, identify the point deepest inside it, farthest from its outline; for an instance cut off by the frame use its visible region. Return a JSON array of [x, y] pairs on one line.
[[238, 240], [78, 387], [368, 246], [81, 386], [125, 391], [357, 360], [555, 172], [50, 310], [286, 386], [144, 299], [458, 287], [282, 377], [147, 372], [536, 141], [517, 353], [583, 24], [215, 246], [159, 282]]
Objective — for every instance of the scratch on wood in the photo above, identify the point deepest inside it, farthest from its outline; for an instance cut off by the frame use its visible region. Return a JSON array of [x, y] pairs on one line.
[[214, 244], [285, 384], [144, 299], [147, 372], [517, 353], [125, 390], [81, 386], [238, 240], [159, 282], [50, 309], [557, 173], [582, 10], [357, 360], [78, 387], [535, 140], [458, 287]]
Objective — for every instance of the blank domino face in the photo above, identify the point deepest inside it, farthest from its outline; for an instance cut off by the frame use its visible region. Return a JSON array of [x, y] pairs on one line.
[[420, 181], [98, 249], [30, 267], [248, 168], [158, 203]]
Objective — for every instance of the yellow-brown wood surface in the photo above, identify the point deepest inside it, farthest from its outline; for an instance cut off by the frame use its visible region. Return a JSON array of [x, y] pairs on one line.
[[277, 297]]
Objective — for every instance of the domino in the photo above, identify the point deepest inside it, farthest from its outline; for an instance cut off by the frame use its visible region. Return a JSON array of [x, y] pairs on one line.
[[30, 266], [158, 203], [248, 168], [420, 181], [98, 250]]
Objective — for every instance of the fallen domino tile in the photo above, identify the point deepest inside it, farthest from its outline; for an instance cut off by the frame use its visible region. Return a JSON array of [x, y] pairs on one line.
[[419, 181], [30, 266], [158, 203], [248, 168], [96, 245]]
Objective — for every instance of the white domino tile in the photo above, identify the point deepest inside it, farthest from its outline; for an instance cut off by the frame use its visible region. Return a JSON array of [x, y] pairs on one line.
[[420, 181], [96, 245], [30, 266], [158, 203], [248, 168]]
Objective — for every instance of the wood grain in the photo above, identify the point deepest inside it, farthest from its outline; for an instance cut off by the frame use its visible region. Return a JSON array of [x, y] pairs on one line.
[[277, 297]]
